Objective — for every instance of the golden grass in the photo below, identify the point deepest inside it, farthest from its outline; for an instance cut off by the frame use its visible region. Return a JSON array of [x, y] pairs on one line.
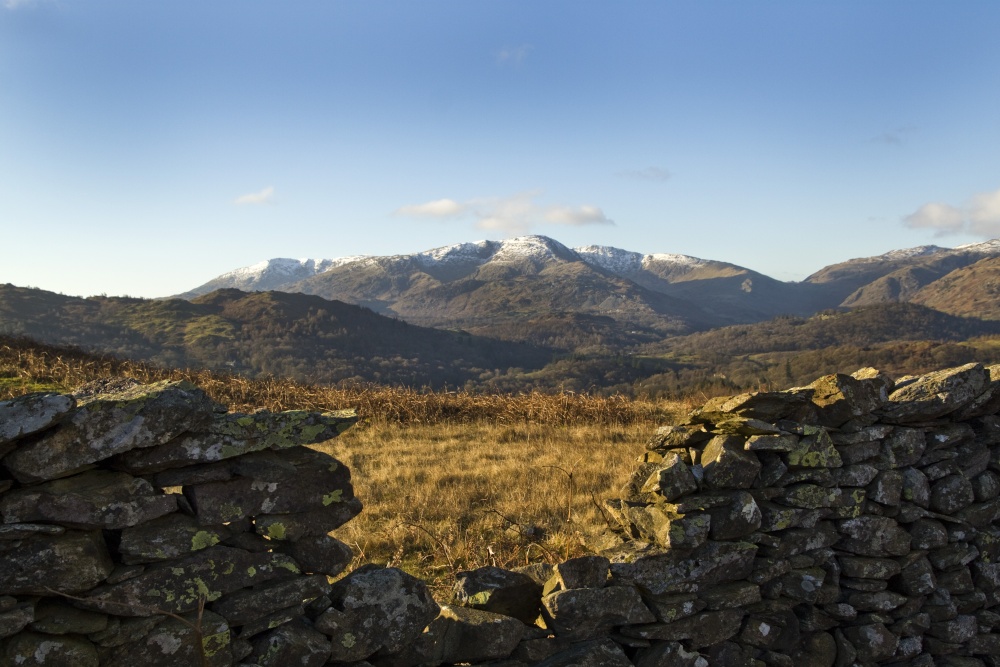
[[450, 480], [448, 497]]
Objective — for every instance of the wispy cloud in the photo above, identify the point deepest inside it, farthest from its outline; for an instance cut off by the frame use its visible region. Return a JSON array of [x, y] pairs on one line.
[[980, 216], [896, 137], [439, 208], [264, 196], [653, 174], [514, 54], [516, 214]]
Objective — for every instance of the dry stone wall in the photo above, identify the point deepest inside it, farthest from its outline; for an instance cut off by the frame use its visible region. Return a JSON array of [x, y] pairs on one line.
[[855, 521]]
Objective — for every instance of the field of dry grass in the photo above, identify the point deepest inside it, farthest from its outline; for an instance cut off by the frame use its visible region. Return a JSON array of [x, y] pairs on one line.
[[450, 481]]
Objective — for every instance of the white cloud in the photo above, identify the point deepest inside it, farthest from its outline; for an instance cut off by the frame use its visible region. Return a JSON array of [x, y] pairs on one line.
[[580, 215], [264, 196], [514, 54], [655, 174], [516, 214], [439, 208], [979, 217]]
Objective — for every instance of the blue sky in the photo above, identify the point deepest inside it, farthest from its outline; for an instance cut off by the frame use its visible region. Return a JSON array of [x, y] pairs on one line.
[[146, 147]]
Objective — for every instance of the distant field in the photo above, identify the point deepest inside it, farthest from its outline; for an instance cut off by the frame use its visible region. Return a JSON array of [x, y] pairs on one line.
[[450, 481]]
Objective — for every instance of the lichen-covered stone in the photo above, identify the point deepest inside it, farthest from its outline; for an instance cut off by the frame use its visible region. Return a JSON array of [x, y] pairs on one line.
[[15, 619], [296, 526], [177, 586], [766, 406], [815, 450], [71, 562], [243, 606], [233, 434], [499, 591], [321, 554], [598, 653], [740, 518], [873, 536], [672, 654], [173, 643], [375, 610], [31, 649], [671, 479], [319, 482], [936, 394], [93, 499], [950, 494], [698, 631], [31, 413], [172, 536], [671, 572], [587, 613], [727, 465], [291, 644], [472, 635], [840, 398], [108, 424]]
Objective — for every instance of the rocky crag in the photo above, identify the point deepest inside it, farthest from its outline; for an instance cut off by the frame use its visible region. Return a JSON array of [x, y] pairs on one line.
[[855, 521]]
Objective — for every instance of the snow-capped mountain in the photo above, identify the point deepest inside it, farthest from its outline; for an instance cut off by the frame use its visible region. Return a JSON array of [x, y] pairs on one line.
[[486, 284]]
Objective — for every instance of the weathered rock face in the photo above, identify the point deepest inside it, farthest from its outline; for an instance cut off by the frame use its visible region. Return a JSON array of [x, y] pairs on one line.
[[849, 522]]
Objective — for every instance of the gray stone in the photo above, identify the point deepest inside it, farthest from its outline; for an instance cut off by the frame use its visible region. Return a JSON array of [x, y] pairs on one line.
[[243, 606], [28, 649], [916, 488], [56, 617], [72, 562], [93, 499], [873, 536], [171, 536], [499, 591], [671, 572], [291, 644], [32, 413], [177, 586], [600, 653], [698, 631], [950, 494], [815, 450], [582, 572], [936, 394], [297, 526], [737, 520], [586, 613], [470, 635], [375, 610], [321, 554], [673, 654], [887, 489], [15, 619], [766, 406], [319, 482], [108, 424], [233, 434], [172, 643], [671, 479], [727, 465], [872, 642], [783, 442]]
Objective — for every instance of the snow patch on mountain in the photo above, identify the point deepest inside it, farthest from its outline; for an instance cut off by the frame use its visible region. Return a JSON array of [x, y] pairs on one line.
[[611, 259], [991, 247]]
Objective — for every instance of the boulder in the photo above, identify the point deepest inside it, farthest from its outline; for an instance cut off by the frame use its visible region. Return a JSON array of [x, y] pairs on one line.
[[70, 562], [499, 591], [31, 413]]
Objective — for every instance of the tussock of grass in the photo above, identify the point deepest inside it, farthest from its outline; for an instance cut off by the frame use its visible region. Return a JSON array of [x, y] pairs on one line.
[[450, 480]]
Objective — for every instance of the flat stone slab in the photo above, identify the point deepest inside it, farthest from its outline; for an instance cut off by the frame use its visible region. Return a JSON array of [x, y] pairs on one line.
[[235, 434], [32, 413], [171, 536], [319, 482], [936, 394], [671, 572], [177, 586], [104, 425], [93, 499], [72, 562]]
